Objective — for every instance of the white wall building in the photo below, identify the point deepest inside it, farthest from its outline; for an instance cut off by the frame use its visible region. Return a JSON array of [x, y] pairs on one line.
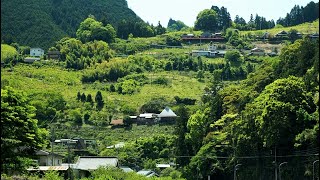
[[38, 52], [45, 158]]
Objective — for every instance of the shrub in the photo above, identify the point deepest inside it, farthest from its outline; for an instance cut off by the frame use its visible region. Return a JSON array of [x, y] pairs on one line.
[[233, 55], [161, 81]]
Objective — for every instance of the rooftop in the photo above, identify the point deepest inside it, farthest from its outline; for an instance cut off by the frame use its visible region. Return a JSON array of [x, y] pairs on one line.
[[167, 112], [126, 169], [48, 168], [117, 122], [148, 173], [94, 162]]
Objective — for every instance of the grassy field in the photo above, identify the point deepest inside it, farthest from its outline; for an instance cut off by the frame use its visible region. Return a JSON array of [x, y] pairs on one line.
[[7, 51], [112, 136], [305, 28], [52, 78], [32, 79]]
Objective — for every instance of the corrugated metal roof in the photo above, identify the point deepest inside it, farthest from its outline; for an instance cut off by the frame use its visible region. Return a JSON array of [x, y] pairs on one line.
[[126, 169], [167, 112], [147, 173], [48, 168], [93, 162], [163, 165], [119, 145], [146, 115]]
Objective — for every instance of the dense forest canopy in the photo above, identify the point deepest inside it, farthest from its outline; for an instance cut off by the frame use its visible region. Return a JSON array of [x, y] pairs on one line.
[[45, 21]]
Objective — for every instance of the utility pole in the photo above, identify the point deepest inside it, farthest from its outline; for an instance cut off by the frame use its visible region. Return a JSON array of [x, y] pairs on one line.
[[235, 171], [275, 163], [280, 169], [52, 141], [313, 167], [69, 173]]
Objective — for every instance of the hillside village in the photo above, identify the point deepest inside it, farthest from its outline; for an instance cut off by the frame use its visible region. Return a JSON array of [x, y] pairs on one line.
[[86, 161], [163, 103]]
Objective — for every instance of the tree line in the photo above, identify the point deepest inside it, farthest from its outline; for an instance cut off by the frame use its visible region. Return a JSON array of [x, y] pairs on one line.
[[300, 14]]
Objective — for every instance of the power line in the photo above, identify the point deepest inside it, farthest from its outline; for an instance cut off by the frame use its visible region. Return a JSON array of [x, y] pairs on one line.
[[253, 157]]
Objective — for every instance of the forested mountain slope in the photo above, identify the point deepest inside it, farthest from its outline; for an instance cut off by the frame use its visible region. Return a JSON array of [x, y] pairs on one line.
[[39, 23]]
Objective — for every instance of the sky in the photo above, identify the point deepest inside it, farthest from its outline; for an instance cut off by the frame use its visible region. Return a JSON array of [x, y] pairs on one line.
[[153, 11]]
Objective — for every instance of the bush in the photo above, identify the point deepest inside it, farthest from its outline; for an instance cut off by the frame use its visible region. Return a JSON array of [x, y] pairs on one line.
[[127, 121], [155, 105], [52, 175], [105, 173], [112, 88], [161, 81], [233, 55], [186, 101], [128, 86]]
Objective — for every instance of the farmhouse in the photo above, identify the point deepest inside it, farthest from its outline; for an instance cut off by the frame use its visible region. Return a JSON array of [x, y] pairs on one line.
[[211, 51], [31, 59], [36, 52], [53, 55], [167, 116], [204, 37], [48, 159], [187, 36], [76, 143], [217, 35], [197, 53], [282, 34], [146, 118], [86, 164]]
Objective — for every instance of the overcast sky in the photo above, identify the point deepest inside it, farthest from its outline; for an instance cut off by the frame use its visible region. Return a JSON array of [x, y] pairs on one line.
[[186, 11]]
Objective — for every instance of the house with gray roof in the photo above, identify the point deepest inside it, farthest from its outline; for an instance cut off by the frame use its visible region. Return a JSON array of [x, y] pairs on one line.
[[146, 118], [89, 163], [167, 116], [48, 158], [148, 173], [126, 169], [167, 112], [86, 164], [31, 59]]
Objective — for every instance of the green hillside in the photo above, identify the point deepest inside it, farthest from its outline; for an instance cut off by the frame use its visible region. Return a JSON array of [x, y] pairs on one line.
[[305, 28], [7, 52], [238, 105], [33, 80], [39, 23]]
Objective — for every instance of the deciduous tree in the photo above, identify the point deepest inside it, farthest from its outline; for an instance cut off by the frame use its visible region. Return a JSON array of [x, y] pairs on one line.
[[20, 135]]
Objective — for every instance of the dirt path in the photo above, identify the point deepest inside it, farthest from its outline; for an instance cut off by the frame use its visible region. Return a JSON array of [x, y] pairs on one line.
[[268, 47]]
